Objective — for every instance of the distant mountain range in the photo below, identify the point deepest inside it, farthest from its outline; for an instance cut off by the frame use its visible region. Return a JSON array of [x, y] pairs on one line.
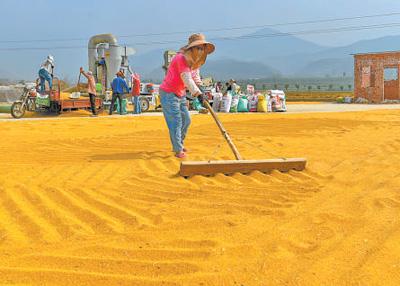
[[224, 69], [262, 55]]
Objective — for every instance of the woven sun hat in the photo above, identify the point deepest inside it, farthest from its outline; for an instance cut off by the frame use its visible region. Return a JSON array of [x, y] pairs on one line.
[[198, 40]]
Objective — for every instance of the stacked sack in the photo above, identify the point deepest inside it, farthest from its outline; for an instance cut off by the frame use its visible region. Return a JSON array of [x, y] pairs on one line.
[[262, 103], [243, 104], [226, 101], [276, 101], [253, 102], [217, 99], [234, 103]]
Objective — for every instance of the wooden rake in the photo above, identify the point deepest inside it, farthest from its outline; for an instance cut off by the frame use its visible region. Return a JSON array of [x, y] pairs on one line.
[[227, 167]]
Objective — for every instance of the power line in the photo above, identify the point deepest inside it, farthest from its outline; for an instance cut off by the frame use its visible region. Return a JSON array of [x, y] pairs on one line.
[[283, 34], [214, 29], [266, 25], [245, 37], [319, 31]]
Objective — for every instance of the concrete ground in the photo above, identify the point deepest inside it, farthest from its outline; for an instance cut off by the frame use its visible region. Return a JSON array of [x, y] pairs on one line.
[[292, 108]]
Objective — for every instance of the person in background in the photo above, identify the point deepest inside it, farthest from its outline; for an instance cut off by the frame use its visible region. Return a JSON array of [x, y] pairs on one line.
[[228, 87], [218, 87], [183, 74], [135, 91], [235, 86], [46, 73], [118, 86], [91, 89]]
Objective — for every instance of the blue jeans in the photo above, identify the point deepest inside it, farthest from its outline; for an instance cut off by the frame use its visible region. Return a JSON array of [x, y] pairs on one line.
[[137, 109], [44, 75], [177, 116]]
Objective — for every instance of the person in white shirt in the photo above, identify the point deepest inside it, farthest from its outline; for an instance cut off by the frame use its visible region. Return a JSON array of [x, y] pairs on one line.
[[46, 73]]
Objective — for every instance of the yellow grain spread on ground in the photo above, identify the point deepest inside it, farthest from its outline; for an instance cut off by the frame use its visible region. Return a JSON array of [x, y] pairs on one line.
[[97, 201]]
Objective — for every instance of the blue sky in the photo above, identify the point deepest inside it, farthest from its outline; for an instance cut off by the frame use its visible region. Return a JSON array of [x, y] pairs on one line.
[[46, 19]]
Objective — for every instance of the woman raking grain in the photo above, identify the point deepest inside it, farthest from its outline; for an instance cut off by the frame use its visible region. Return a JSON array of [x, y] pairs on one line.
[[182, 74]]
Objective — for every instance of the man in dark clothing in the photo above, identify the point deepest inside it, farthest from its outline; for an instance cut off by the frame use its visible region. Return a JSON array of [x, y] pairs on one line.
[[118, 85]]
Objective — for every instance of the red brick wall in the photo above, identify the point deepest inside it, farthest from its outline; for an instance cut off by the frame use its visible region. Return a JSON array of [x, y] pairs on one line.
[[372, 66], [391, 89]]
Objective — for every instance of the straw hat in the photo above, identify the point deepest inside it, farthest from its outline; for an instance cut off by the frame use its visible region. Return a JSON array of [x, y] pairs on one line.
[[198, 40]]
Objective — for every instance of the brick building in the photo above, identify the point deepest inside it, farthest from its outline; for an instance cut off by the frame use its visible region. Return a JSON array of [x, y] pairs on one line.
[[376, 76]]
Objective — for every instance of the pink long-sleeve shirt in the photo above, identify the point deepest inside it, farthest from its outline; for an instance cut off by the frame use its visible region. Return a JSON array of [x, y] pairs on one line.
[[173, 81]]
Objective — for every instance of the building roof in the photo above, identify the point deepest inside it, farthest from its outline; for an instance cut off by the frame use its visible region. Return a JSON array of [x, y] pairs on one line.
[[376, 53]]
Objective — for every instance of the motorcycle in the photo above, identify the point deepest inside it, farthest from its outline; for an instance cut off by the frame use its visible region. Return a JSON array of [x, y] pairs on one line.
[[26, 102]]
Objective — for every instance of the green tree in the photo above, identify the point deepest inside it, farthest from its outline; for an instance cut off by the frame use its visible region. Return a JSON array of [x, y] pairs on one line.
[[341, 87], [286, 86], [318, 87], [297, 86], [275, 86], [309, 88], [330, 86], [350, 86]]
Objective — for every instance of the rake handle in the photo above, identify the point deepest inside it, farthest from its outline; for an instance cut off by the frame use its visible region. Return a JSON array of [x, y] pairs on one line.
[[223, 131], [79, 81]]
